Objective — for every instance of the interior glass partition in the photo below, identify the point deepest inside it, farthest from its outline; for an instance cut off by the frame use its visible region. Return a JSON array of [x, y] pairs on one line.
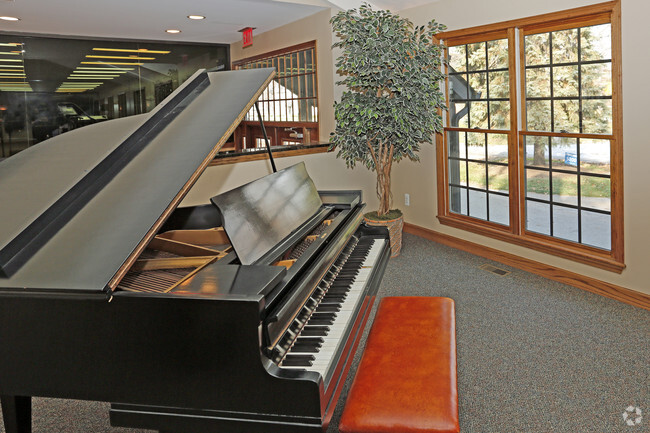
[[49, 86]]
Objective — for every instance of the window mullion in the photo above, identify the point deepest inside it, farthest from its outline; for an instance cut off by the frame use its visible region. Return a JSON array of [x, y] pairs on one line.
[[514, 153]]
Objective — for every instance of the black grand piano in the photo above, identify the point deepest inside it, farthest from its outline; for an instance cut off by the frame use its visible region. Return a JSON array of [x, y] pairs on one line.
[[239, 315]]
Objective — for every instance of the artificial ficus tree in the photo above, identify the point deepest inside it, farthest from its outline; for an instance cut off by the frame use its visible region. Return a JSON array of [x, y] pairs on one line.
[[392, 72]]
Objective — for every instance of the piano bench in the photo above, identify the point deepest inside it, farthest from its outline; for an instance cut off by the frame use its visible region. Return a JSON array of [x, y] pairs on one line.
[[406, 382]]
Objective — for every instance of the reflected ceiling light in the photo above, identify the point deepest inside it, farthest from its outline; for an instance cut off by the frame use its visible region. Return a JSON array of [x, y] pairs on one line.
[[196, 17], [93, 74], [111, 63], [9, 18], [99, 71], [11, 77], [10, 53], [173, 31], [12, 66], [15, 74], [92, 77], [134, 57], [87, 73], [12, 60], [92, 69], [8, 70], [139, 50], [10, 44]]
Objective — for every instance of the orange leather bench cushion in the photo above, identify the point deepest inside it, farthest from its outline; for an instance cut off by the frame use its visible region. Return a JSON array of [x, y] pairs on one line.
[[406, 381]]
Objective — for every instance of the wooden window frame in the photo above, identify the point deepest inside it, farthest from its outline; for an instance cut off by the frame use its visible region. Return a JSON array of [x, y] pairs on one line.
[[515, 233]]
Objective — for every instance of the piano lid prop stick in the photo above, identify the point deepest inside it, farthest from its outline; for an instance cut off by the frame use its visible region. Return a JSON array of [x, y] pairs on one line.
[[266, 139]]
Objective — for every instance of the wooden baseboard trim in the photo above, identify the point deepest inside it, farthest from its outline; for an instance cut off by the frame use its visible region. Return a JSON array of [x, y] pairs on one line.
[[583, 282]]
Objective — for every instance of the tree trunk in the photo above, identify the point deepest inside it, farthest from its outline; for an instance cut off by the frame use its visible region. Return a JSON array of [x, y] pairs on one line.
[[383, 167], [539, 153], [383, 192]]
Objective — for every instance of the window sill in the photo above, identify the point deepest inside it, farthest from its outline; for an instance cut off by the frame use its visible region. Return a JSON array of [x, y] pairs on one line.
[[261, 154], [582, 254]]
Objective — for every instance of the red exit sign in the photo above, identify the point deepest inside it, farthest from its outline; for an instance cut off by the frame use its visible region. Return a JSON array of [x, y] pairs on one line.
[[247, 37]]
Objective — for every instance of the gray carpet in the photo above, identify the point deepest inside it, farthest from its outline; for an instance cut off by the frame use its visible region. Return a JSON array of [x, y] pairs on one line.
[[533, 355]]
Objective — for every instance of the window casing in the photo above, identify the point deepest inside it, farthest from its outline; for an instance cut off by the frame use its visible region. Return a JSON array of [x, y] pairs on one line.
[[532, 145]]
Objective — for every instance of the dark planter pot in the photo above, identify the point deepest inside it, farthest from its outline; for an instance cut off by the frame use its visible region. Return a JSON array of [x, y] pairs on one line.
[[394, 231]]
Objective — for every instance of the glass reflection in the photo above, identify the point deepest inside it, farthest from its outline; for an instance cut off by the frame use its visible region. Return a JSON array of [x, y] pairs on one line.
[[49, 86]]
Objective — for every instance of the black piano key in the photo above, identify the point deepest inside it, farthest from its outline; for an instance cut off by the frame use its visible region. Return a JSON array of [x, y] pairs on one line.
[[315, 331], [339, 289], [304, 348], [311, 340], [298, 360], [334, 299], [325, 307], [323, 315], [322, 322], [307, 345]]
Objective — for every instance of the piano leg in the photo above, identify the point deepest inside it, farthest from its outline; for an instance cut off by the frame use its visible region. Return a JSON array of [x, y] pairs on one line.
[[17, 413]]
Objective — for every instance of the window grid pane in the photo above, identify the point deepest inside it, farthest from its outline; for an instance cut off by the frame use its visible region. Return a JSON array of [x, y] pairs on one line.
[[290, 97], [479, 85], [571, 181], [569, 80], [478, 175]]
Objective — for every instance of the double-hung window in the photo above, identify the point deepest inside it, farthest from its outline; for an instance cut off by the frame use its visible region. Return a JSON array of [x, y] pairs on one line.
[[533, 140]]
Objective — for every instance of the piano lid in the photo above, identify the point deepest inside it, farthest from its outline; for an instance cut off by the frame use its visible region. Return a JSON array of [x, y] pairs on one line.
[[78, 208]]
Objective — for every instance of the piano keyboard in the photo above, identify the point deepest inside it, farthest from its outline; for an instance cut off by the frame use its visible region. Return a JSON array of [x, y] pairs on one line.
[[311, 342]]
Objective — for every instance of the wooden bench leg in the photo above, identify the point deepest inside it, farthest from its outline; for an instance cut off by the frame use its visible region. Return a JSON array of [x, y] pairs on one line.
[[17, 413]]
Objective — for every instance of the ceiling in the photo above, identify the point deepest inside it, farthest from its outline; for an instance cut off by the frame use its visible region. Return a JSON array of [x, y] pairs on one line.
[[148, 19]]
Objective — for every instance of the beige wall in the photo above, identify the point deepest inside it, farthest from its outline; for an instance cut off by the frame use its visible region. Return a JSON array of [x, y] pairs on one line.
[[419, 180], [326, 171]]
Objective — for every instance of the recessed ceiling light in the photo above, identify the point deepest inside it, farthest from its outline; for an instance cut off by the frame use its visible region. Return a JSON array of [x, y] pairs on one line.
[[196, 17], [173, 31], [10, 18]]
